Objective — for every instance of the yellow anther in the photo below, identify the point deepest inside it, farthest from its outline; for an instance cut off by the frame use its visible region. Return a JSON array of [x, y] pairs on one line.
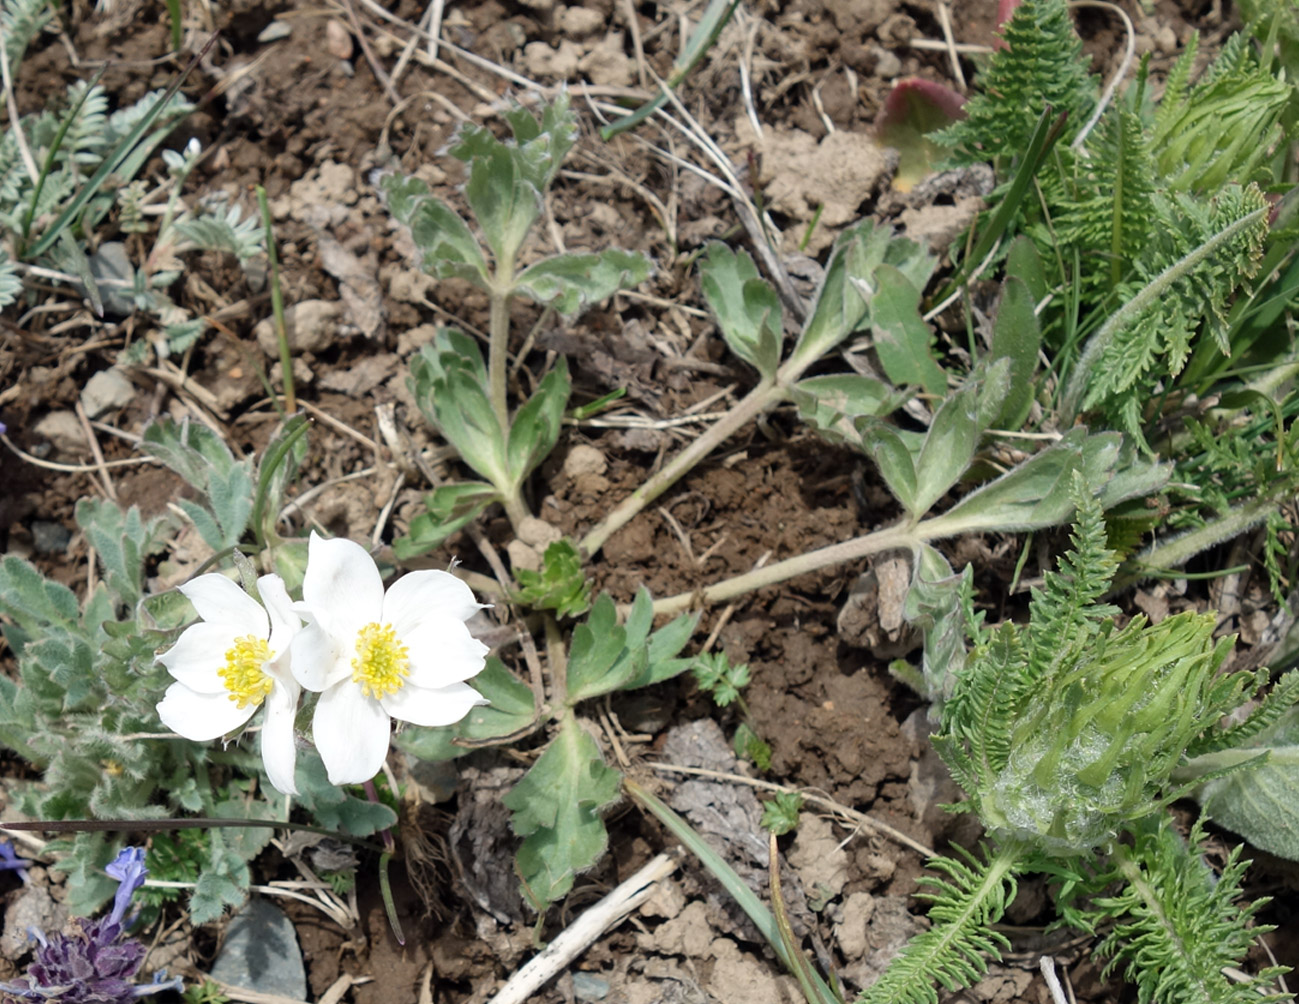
[[243, 674], [382, 662]]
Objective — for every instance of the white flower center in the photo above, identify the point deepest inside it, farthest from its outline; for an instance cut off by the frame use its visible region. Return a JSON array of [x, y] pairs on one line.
[[243, 674], [382, 662]]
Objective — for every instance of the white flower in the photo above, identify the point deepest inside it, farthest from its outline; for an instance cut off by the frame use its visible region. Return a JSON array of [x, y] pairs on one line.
[[230, 663], [404, 654]]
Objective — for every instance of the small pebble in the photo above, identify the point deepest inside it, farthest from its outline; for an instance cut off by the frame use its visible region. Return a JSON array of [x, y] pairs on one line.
[[587, 987]]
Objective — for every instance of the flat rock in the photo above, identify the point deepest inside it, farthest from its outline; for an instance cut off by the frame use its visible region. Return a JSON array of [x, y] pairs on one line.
[[261, 952], [310, 326], [107, 391]]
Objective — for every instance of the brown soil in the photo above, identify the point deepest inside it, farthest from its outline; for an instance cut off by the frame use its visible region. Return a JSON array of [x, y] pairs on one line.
[[308, 123]]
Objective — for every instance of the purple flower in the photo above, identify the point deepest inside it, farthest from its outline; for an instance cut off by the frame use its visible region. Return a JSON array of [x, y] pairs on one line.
[[129, 870], [91, 962], [8, 859]]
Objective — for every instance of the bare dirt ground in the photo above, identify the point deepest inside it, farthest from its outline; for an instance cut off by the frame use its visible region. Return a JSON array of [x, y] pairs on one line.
[[306, 115]]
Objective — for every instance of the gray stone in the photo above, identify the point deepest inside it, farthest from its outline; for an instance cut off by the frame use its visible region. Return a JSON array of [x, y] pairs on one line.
[[310, 326], [62, 430], [107, 391], [588, 987], [50, 538], [111, 265], [261, 952]]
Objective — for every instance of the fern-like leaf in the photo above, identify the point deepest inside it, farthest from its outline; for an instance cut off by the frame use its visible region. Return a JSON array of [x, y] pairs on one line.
[[1176, 925], [1113, 210], [11, 283], [1065, 609], [1282, 697], [1041, 65], [954, 951], [20, 22]]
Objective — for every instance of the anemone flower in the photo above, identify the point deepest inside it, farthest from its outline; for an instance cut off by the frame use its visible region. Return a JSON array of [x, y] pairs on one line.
[[374, 656], [231, 663]]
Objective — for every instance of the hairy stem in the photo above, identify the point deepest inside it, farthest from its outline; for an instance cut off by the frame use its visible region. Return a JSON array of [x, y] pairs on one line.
[[890, 539], [762, 398]]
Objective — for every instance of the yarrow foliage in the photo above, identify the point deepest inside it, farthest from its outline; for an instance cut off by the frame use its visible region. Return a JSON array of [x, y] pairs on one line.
[[92, 961]]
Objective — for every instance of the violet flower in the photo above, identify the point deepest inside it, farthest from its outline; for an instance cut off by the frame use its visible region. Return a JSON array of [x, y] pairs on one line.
[[91, 961], [9, 861]]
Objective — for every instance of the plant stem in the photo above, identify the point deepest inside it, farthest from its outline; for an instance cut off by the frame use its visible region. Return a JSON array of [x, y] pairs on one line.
[[498, 350], [762, 398], [889, 539]]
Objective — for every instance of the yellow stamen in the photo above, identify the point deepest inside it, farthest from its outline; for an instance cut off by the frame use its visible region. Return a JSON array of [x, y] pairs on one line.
[[382, 662], [243, 674]]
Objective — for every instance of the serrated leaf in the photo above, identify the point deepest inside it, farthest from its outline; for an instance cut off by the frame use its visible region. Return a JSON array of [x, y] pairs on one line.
[[556, 808], [559, 585], [31, 599], [901, 337], [747, 308], [572, 282], [536, 425], [663, 647], [511, 709], [444, 239], [594, 666], [505, 203], [122, 541]]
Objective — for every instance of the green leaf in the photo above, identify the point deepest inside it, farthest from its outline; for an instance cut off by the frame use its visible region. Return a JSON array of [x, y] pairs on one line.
[[661, 647], [901, 337], [881, 442], [1030, 496], [746, 306], [32, 600], [1016, 337], [1260, 803], [948, 447], [843, 303], [511, 710], [559, 585], [1024, 263], [450, 507], [572, 282], [279, 465], [449, 381], [122, 540], [536, 425], [556, 808], [594, 663], [199, 456], [780, 814], [831, 404], [333, 807], [448, 247]]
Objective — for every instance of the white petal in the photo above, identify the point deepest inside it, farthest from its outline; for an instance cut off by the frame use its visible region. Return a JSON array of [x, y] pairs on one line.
[[441, 706], [197, 655], [201, 717], [341, 586], [318, 659], [352, 734], [220, 601], [285, 622], [278, 751], [417, 594], [442, 652]]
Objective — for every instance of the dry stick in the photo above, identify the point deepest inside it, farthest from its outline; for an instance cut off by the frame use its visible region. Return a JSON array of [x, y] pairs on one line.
[[574, 939], [20, 138], [376, 67], [637, 45], [826, 803], [109, 489], [949, 43]]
